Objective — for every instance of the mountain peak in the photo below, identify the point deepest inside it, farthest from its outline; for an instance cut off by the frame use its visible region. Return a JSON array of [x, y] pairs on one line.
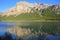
[[24, 7], [23, 2]]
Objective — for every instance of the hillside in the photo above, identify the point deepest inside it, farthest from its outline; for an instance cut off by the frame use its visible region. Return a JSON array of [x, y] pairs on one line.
[[28, 11]]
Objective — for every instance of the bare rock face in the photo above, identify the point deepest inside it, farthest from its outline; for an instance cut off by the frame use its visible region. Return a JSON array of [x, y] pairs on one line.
[[40, 6], [21, 7], [24, 7], [56, 8]]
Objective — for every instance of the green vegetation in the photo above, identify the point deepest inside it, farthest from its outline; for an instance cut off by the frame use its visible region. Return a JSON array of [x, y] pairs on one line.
[[47, 27], [29, 16], [46, 14], [1, 18], [26, 16], [50, 14]]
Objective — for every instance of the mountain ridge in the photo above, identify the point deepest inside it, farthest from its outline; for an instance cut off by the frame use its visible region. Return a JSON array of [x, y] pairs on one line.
[[27, 11], [23, 7]]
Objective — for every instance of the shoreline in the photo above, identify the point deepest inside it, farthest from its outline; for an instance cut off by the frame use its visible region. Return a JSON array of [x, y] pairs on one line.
[[30, 21]]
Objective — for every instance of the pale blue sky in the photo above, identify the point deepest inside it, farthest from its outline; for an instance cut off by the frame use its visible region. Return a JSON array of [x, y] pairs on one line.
[[5, 4]]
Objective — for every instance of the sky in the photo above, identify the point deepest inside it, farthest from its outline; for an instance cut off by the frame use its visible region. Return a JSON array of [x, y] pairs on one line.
[[6, 4]]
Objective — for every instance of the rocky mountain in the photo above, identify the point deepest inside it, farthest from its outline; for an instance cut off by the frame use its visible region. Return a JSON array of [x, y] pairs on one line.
[[28, 11], [24, 7], [56, 8], [38, 6]]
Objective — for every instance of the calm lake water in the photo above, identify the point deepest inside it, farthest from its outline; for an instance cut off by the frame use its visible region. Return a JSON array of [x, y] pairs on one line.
[[29, 24], [36, 25]]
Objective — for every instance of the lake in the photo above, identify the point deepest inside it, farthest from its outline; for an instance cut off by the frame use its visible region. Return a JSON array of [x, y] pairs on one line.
[[51, 27], [36, 25]]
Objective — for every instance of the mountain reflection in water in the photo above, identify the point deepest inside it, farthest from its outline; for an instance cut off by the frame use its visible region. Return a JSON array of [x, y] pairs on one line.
[[10, 36]]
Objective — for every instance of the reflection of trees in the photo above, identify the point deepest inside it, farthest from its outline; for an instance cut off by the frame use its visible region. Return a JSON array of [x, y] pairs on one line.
[[47, 27], [50, 28]]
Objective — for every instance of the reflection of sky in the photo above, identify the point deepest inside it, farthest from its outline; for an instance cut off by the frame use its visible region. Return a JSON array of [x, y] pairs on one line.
[[2, 32], [5, 25]]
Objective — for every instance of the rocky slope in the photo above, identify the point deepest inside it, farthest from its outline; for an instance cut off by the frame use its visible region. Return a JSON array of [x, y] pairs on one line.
[[28, 11], [24, 7]]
